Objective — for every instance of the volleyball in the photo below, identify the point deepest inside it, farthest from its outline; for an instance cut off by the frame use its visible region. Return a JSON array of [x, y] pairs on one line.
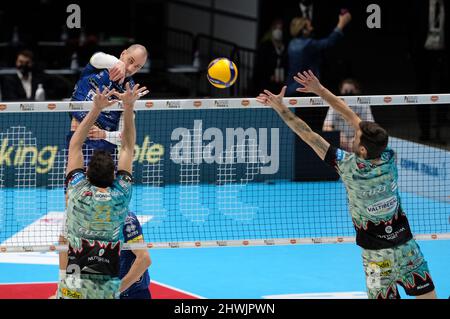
[[222, 73]]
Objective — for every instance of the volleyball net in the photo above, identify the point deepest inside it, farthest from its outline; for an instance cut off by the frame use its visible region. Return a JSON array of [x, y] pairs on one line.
[[223, 172]]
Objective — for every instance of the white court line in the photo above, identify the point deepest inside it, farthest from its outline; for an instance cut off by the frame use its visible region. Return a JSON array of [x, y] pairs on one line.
[[176, 289], [321, 295]]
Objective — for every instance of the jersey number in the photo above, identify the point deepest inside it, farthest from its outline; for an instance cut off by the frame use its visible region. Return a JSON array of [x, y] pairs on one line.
[[102, 214]]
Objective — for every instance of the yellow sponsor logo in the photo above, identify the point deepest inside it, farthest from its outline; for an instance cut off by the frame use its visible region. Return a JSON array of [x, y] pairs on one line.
[[70, 293], [146, 152], [381, 264], [20, 154]]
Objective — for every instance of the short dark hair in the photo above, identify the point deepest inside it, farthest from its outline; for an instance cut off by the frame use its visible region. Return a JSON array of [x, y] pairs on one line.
[[100, 171], [26, 53], [374, 138]]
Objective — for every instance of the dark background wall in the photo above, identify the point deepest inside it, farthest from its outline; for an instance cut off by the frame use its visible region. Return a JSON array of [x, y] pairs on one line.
[[385, 60]]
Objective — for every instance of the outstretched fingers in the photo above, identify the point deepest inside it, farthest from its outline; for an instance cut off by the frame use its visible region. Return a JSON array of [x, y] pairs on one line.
[[110, 93], [301, 76], [311, 74]]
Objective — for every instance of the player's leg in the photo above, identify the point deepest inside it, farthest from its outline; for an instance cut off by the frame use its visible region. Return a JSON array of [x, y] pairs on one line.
[[414, 272], [380, 275]]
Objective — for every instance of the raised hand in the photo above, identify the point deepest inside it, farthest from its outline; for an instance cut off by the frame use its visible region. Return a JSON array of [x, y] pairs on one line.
[[101, 100], [131, 95], [275, 101], [344, 19], [96, 133], [118, 72], [309, 81]]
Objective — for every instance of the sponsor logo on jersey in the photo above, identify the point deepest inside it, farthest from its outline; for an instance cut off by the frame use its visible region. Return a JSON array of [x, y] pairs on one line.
[[340, 154], [383, 206], [388, 229], [132, 233], [130, 228], [102, 197], [78, 177], [98, 259], [88, 232]]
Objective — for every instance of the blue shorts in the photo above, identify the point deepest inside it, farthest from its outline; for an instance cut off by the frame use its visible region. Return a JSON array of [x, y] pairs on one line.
[[137, 294]]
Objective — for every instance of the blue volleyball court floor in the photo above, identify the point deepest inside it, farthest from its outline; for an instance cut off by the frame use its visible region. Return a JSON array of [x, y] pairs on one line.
[[295, 271]]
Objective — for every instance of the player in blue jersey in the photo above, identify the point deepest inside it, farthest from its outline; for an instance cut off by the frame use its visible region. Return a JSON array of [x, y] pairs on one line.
[[390, 254], [97, 205], [134, 263], [106, 71]]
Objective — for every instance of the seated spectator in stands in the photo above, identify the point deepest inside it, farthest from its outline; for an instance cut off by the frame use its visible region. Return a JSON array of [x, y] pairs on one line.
[[271, 60], [23, 85], [335, 122], [304, 52]]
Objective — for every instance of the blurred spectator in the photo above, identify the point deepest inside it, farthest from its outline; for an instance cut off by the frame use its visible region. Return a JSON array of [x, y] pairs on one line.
[[23, 85], [306, 7], [429, 40], [335, 122], [304, 52], [271, 60]]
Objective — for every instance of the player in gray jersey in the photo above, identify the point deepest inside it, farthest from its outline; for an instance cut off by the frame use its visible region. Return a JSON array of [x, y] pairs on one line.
[[390, 254], [97, 205]]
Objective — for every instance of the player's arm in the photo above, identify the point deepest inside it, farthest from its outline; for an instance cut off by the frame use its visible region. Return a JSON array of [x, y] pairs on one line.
[[139, 266], [117, 69], [312, 85], [128, 134], [314, 140], [75, 158]]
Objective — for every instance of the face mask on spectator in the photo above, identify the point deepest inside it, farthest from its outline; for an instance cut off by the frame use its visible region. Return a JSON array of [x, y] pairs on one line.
[[277, 34], [25, 69]]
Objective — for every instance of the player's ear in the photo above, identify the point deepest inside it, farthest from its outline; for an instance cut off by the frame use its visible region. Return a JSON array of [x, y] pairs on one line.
[[362, 151]]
